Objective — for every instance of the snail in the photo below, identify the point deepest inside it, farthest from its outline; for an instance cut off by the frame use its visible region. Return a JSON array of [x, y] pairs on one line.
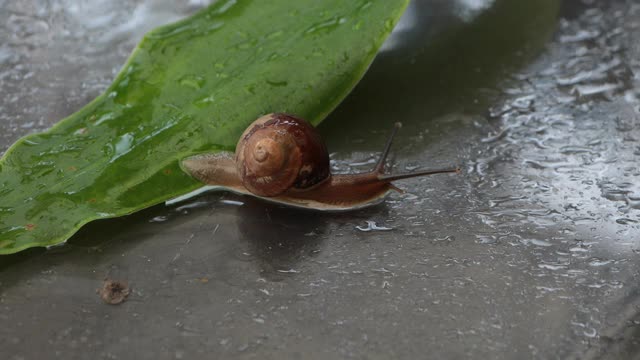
[[282, 158]]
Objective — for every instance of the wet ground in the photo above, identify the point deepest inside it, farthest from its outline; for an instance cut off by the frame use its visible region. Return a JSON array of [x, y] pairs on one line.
[[532, 252]]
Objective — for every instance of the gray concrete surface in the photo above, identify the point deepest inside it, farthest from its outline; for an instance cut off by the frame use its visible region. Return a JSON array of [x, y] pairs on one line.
[[531, 253]]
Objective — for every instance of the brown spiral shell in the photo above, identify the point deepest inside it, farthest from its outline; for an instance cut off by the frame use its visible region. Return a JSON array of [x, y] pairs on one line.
[[279, 152]]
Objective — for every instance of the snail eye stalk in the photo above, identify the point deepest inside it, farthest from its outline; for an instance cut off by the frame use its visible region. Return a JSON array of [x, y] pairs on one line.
[[379, 168], [380, 165]]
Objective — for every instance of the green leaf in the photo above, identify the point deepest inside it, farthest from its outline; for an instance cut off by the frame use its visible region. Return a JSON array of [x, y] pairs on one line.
[[188, 87]]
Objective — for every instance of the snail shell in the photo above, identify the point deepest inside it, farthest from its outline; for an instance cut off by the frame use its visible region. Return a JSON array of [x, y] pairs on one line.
[[278, 152]]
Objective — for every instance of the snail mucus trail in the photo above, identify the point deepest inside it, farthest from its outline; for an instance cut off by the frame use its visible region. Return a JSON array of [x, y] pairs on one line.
[[283, 159]]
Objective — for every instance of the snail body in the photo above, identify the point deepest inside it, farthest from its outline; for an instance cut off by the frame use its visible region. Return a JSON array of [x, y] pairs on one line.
[[283, 159]]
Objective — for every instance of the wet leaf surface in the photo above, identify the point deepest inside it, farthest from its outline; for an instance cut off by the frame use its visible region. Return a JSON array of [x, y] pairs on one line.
[[188, 87]]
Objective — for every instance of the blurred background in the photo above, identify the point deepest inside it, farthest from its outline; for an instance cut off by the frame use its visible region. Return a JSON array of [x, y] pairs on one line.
[[532, 252]]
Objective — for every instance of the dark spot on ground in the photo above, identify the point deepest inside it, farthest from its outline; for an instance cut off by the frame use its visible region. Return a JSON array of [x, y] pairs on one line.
[[114, 292]]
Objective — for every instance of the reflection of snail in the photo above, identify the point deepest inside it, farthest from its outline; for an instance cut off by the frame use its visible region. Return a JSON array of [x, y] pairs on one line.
[[283, 159]]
